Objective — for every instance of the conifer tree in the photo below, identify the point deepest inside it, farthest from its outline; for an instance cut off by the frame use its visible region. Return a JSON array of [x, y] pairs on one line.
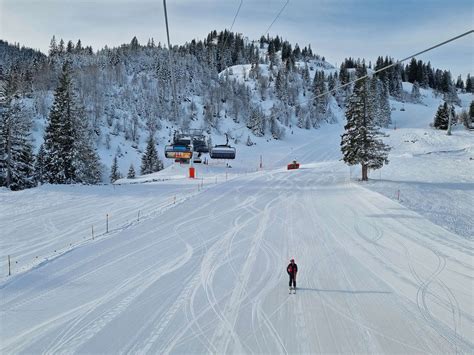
[[320, 102], [469, 84], [460, 83], [150, 161], [53, 47], [70, 47], [69, 156], [16, 152], [373, 100], [385, 110], [449, 89], [256, 122], [61, 47], [134, 45], [379, 105], [395, 83], [415, 92], [360, 144], [441, 119], [114, 171], [281, 85], [59, 134], [276, 131], [86, 160], [131, 172], [78, 49]]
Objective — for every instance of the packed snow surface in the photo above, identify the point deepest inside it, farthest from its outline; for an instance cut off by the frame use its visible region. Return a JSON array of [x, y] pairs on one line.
[[203, 270]]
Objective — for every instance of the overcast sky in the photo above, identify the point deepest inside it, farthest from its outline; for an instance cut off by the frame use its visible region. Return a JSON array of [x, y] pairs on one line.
[[335, 28]]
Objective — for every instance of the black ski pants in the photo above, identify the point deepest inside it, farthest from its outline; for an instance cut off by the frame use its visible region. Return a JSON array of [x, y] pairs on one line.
[[292, 280]]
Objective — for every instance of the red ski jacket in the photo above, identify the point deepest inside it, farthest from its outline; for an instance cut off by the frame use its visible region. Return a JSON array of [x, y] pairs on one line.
[[292, 269]]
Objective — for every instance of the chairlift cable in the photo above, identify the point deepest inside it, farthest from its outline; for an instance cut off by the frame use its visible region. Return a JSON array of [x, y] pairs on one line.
[[276, 17], [236, 14]]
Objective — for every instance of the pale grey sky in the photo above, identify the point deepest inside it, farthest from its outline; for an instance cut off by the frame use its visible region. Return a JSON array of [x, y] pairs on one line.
[[334, 28]]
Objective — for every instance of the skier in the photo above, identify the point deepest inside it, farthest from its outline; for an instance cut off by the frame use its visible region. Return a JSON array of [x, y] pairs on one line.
[[292, 269]]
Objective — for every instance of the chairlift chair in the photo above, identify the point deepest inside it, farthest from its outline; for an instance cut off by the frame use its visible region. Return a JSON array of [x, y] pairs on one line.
[[178, 152], [223, 151], [200, 145]]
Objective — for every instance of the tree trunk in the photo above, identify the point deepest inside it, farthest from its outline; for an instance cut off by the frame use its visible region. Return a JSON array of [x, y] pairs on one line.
[[365, 169]]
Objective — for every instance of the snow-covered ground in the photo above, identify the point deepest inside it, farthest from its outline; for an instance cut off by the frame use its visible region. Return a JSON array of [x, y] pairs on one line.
[[207, 274], [433, 172]]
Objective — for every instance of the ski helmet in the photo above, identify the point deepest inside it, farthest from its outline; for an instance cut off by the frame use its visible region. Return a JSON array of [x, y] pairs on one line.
[[292, 260]]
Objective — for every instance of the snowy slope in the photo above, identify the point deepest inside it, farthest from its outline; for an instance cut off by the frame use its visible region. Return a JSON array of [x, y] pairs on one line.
[[207, 275]]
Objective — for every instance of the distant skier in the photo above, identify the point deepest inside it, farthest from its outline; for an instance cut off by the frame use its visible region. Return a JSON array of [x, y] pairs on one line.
[[292, 269]]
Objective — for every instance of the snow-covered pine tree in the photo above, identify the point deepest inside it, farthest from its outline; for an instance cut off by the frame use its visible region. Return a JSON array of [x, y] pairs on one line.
[[275, 129], [320, 102], [360, 144], [385, 113], [460, 83], [373, 100], [415, 92], [300, 113], [464, 118], [467, 117], [114, 171], [209, 117], [451, 95], [59, 134], [441, 119], [69, 154], [281, 85], [256, 122], [70, 47], [150, 161], [305, 79], [131, 172], [86, 160], [16, 152], [53, 47], [379, 104], [469, 84], [395, 83]]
